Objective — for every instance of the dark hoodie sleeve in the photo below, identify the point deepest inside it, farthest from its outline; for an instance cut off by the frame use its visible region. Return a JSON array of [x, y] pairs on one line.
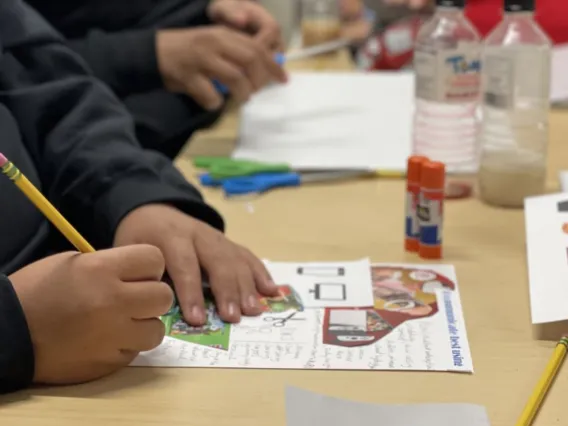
[[126, 61], [79, 135], [16, 351]]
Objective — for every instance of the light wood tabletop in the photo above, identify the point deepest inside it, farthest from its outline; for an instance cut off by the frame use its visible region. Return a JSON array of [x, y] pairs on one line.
[[341, 221]]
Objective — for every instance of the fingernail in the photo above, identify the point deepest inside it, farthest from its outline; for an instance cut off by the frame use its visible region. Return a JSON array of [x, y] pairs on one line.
[[252, 302], [232, 309], [198, 314]]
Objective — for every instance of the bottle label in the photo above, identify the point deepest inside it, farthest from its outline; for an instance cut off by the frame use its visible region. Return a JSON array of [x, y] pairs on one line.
[[448, 75], [516, 76]]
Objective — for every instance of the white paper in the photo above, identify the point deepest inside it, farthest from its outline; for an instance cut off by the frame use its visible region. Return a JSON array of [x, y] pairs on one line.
[[327, 285], [416, 323], [559, 74], [305, 408], [331, 121], [546, 220]]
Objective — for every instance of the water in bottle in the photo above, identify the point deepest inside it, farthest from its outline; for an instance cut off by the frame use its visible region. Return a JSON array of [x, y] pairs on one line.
[[447, 66], [516, 88]]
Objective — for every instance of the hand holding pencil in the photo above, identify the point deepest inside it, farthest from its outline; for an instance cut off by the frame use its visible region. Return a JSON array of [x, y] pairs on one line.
[[88, 315]]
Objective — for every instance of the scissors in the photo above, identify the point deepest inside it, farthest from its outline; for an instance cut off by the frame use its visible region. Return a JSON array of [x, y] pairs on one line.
[[223, 167], [281, 322], [265, 181]]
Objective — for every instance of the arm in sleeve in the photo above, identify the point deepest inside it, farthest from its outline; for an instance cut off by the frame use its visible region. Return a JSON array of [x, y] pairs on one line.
[[79, 135], [126, 61], [16, 350]]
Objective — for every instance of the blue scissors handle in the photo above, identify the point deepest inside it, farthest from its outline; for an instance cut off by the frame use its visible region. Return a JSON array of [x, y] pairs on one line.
[[259, 183], [279, 58]]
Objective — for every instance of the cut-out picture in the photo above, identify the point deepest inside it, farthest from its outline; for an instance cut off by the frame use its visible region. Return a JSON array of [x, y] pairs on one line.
[[288, 300], [321, 271], [329, 292], [401, 294], [214, 334], [353, 326]]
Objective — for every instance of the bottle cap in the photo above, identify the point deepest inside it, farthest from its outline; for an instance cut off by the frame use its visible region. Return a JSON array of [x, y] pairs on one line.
[[451, 3], [433, 175], [519, 5], [413, 168]]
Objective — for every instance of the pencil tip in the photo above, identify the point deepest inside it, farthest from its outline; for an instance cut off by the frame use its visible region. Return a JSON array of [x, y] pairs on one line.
[[3, 160]]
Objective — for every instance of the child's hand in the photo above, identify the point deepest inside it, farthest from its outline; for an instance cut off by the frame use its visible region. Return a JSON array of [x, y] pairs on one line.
[[250, 17], [91, 314], [190, 59], [190, 246]]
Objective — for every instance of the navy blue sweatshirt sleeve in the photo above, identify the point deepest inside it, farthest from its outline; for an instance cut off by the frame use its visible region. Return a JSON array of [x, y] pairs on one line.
[[16, 350], [79, 135], [126, 60]]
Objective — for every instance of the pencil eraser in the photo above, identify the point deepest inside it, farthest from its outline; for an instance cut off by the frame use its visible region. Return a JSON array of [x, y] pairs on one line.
[[3, 160]]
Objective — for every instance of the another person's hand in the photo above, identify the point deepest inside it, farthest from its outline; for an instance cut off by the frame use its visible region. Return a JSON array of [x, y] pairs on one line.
[[191, 248], [354, 24], [190, 59], [250, 17], [91, 314]]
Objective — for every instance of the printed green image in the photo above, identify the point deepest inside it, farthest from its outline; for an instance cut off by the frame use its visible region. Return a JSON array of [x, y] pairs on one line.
[[214, 334]]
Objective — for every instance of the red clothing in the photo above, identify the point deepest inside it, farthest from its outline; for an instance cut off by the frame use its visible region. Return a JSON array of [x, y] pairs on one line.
[[552, 15]]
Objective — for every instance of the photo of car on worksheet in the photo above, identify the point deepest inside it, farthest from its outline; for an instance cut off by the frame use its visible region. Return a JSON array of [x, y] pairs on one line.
[[337, 316]]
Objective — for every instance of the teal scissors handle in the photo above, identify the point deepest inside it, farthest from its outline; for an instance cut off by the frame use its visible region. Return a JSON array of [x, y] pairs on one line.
[[259, 183]]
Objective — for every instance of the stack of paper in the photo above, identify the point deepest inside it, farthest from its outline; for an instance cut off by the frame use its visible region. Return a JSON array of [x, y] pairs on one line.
[[331, 121], [309, 409]]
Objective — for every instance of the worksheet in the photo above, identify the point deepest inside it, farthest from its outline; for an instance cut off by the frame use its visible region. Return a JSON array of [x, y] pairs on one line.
[[414, 323]]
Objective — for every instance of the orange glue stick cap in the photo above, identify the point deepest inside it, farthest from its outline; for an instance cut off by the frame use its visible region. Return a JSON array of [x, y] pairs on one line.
[[413, 167], [433, 176]]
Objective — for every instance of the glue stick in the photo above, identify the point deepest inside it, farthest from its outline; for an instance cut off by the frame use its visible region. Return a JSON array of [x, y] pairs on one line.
[[412, 227], [431, 209]]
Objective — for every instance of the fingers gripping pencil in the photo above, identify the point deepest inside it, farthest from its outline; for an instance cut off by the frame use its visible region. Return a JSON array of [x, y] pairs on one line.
[[50, 212]]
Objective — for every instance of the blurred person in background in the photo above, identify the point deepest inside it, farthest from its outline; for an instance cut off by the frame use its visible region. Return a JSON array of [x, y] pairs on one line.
[[160, 57]]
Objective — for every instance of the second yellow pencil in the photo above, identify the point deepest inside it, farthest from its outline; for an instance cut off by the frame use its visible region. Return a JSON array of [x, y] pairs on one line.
[[543, 385]]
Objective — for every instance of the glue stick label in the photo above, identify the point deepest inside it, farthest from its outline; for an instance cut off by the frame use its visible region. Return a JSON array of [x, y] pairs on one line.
[[412, 222], [430, 218]]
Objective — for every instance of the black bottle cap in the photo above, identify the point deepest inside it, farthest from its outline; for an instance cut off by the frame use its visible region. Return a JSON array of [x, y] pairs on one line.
[[519, 5], [451, 3]]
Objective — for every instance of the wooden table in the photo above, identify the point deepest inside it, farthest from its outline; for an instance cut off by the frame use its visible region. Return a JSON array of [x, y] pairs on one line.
[[341, 221]]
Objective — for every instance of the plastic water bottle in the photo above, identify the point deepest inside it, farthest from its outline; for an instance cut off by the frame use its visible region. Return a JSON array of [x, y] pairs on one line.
[[448, 75], [516, 90]]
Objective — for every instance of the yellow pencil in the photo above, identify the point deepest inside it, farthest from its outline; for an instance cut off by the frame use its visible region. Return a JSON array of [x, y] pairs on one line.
[[44, 206], [536, 399]]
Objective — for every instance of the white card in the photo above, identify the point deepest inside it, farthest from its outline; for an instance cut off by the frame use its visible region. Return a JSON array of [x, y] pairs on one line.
[[329, 284], [546, 220]]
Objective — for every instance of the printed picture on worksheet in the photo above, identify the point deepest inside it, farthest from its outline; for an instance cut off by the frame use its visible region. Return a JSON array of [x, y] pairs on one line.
[[380, 317]]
